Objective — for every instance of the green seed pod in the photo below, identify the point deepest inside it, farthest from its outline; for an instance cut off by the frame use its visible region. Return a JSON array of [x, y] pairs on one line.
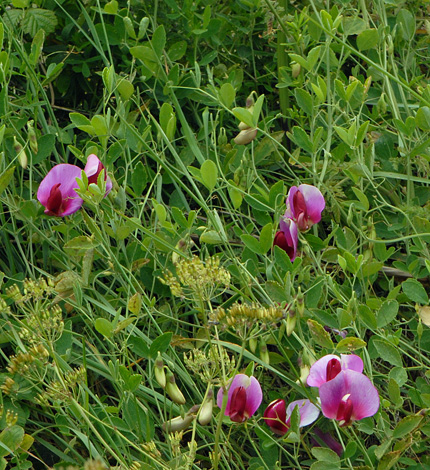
[[205, 414], [172, 389], [300, 302], [160, 375], [264, 353], [291, 321], [21, 155], [32, 137]]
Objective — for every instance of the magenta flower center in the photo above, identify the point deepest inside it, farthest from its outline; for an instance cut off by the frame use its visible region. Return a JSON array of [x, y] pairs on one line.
[[238, 413], [93, 178], [281, 241], [333, 368], [300, 211], [344, 411], [54, 204], [275, 417]]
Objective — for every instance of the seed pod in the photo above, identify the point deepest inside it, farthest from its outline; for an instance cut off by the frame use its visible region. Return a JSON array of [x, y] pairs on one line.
[[160, 375], [246, 136], [206, 409], [295, 70], [264, 353], [32, 137], [300, 302], [21, 155], [173, 390], [291, 321]]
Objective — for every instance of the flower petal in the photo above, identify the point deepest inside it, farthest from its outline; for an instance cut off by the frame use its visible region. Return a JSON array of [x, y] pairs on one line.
[[308, 411], [239, 380], [254, 396], [315, 202], [65, 175], [331, 394], [318, 373], [289, 228], [290, 213], [351, 362], [93, 168]]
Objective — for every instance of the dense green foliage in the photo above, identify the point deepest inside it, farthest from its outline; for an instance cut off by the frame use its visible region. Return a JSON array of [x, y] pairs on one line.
[[179, 257]]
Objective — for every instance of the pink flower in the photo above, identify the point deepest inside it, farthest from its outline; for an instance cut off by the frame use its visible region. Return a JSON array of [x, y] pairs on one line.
[[287, 238], [57, 190], [329, 366], [349, 397], [244, 398], [93, 168], [277, 417], [304, 205]]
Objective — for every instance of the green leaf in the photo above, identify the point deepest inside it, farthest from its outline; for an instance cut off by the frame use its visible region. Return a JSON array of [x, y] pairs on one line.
[[266, 238], [104, 327], [275, 291], [252, 243], [388, 352], [161, 344], [361, 197], [320, 335], [243, 115], [324, 466], [406, 426], [406, 21], [125, 88], [394, 393], [82, 123], [177, 50], [20, 3], [301, 138], [300, 60], [111, 8], [422, 118], [387, 313], [227, 94], [78, 246], [209, 173], [304, 101], [350, 344], [368, 39], [257, 110], [138, 346], [6, 178], [159, 40], [10, 439], [326, 455], [36, 47], [38, 18], [211, 237], [139, 178], [46, 147], [415, 291], [367, 316]]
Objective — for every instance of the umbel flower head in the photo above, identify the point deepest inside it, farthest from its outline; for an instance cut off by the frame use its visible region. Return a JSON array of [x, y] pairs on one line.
[[57, 190], [277, 416], [304, 205], [244, 398]]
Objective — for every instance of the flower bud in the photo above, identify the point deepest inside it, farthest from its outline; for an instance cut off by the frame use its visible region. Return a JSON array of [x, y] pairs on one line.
[[291, 321], [242, 126], [181, 423], [21, 155], [160, 375], [252, 342], [246, 136], [295, 70], [32, 137], [264, 353], [172, 389], [222, 137], [300, 302], [205, 414]]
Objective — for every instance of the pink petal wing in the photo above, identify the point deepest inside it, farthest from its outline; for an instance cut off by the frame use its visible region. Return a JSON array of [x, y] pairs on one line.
[[308, 411], [318, 372], [92, 165], [289, 227], [331, 394], [315, 202], [254, 396], [351, 362], [364, 395], [289, 213], [64, 174]]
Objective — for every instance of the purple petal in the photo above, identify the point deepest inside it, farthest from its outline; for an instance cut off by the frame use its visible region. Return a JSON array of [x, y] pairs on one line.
[[318, 373], [65, 175], [93, 167], [362, 393], [308, 411], [289, 227], [290, 213], [315, 202], [254, 396], [351, 362]]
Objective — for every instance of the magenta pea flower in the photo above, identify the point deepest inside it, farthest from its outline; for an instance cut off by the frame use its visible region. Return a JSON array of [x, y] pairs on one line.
[[349, 397], [329, 366], [278, 417], [287, 238], [304, 205], [93, 168], [244, 398], [57, 190]]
